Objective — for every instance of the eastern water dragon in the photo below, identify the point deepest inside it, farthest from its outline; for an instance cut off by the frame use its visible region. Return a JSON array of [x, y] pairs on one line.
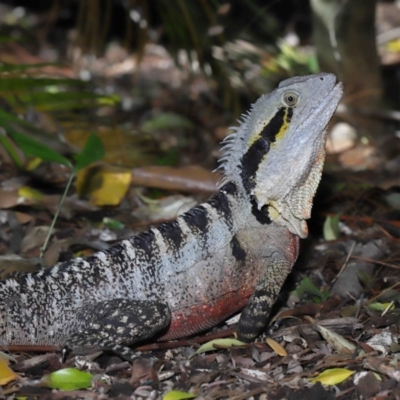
[[228, 254]]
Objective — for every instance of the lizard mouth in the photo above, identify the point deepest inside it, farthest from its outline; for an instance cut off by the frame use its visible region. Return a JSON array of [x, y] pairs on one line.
[[335, 95], [319, 116], [329, 104]]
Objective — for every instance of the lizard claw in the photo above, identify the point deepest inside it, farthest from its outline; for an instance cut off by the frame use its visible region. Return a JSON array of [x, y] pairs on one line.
[[64, 354]]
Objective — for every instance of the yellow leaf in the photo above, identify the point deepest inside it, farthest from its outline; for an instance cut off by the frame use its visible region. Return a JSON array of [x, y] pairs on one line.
[[276, 347], [103, 184], [178, 395], [393, 46], [6, 373], [28, 193], [33, 163], [332, 376]]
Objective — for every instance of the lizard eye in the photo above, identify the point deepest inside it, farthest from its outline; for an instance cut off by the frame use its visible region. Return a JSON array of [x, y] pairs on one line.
[[291, 99]]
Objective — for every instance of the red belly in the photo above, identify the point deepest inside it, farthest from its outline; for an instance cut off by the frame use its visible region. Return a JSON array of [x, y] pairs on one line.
[[197, 318]]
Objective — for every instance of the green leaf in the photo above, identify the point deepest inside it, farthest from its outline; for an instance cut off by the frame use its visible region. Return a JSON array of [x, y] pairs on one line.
[[29, 146], [166, 120], [69, 379], [380, 306], [170, 158], [10, 150], [306, 286], [226, 343], [366, 279], [33, 148], [331, 228], [178, 395], [312, 63], [15, 84], [111, 223], [92, 152], [5, 67], [10, 121]]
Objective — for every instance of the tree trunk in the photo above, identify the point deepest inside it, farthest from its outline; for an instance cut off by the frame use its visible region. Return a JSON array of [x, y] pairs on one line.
[[347, 27]]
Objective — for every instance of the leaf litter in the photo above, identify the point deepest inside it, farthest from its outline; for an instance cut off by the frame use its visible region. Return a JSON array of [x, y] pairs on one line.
[[339, 317]]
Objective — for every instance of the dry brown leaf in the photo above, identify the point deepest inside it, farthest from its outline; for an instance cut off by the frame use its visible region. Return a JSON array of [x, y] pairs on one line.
[[276, 347], [11, 263], [34, 238], [52, 255], [187, 179], [23, 218], [8, 198], [383, 366], [167, 208], [338, 342]]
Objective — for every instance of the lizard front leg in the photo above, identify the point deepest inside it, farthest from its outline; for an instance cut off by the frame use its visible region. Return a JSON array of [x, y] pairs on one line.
[[255, 315], [116, 324]]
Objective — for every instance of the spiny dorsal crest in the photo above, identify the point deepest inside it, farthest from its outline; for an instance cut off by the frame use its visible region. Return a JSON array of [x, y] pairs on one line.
[[274, 149]]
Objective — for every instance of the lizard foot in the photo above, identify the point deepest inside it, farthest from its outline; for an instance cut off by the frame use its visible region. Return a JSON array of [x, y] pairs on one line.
[[255, 315], [117, 324]]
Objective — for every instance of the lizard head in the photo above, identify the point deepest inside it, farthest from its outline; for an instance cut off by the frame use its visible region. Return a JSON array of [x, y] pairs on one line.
[[277, 153]]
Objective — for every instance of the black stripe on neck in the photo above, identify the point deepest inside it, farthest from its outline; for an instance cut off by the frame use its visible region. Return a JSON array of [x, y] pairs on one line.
[[274, 126], [262, 216], [230, 188], [251, 160], [220, 202]]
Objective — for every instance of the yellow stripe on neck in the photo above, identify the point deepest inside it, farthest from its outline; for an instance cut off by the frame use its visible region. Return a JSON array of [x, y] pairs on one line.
[[284, 127], [275, 127]]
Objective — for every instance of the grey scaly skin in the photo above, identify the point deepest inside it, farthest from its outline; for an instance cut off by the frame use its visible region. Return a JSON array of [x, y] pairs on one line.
[[229, 254]]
